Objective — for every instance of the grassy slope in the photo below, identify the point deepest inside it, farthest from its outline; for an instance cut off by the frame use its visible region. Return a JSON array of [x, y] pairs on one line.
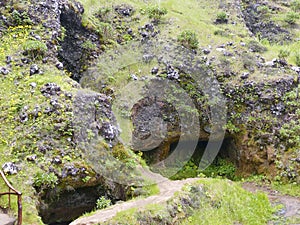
[[293, 47], [199, 16], [223, 202], [17, 140], [236, 205]]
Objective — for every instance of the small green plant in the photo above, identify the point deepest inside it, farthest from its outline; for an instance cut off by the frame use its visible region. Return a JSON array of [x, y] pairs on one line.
[[35, 49], [283, 54], [88, 45], [90, 134], [103, 203], [222, 17], [222, 168], [62, 34], [20, 18], [45, 180], [189, 170], [127, 37], [264, 10], [105, 30], [188, 39], [295, 5], [156, 12], [291, 18], [121, 153], [232, 128], [86, 179]]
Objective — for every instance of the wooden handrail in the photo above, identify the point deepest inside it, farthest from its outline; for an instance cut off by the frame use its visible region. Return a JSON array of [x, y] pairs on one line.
[[14, 192]]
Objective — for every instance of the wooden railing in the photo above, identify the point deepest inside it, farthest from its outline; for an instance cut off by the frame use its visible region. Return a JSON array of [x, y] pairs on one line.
[[13, 191]]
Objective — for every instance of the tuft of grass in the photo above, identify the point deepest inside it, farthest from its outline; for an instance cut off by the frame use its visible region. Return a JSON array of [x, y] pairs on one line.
[[35, 49], [156, 12], [102, 203], [45, 180], [222, 17], [295, 5], [150, 189], [291, 18], [283, 53], [188, 39]]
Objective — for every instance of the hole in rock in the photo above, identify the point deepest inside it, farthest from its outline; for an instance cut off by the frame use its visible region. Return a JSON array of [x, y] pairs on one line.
[[227, 152], [69, 205]]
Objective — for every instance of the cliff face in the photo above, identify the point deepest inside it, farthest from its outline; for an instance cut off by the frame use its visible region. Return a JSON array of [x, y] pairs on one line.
[[74, 76], [233, 83]]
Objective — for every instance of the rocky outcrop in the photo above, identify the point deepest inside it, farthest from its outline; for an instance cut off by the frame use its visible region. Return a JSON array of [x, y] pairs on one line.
[[95, 135], [258, 111], [256, 108], [79, 44], [255, 14]]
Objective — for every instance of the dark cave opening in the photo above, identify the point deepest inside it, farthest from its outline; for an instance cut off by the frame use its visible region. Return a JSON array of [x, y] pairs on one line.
[[228, 152], [69, 205]]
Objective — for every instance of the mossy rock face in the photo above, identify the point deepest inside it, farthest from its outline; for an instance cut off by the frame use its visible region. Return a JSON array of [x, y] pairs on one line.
[[256, 109], [81, 179], [79, 44], [257, 16], [258, 117]]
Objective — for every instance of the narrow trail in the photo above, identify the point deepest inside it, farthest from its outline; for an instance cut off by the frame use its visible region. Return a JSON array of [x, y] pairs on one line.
[[291, 203], [167, 189]]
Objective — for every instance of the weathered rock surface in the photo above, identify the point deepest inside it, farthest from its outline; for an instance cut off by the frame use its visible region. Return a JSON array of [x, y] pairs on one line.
[[255, 20]]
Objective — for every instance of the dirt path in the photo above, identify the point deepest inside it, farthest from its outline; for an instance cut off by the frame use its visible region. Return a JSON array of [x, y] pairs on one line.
[[167, 189], [291, 204]]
